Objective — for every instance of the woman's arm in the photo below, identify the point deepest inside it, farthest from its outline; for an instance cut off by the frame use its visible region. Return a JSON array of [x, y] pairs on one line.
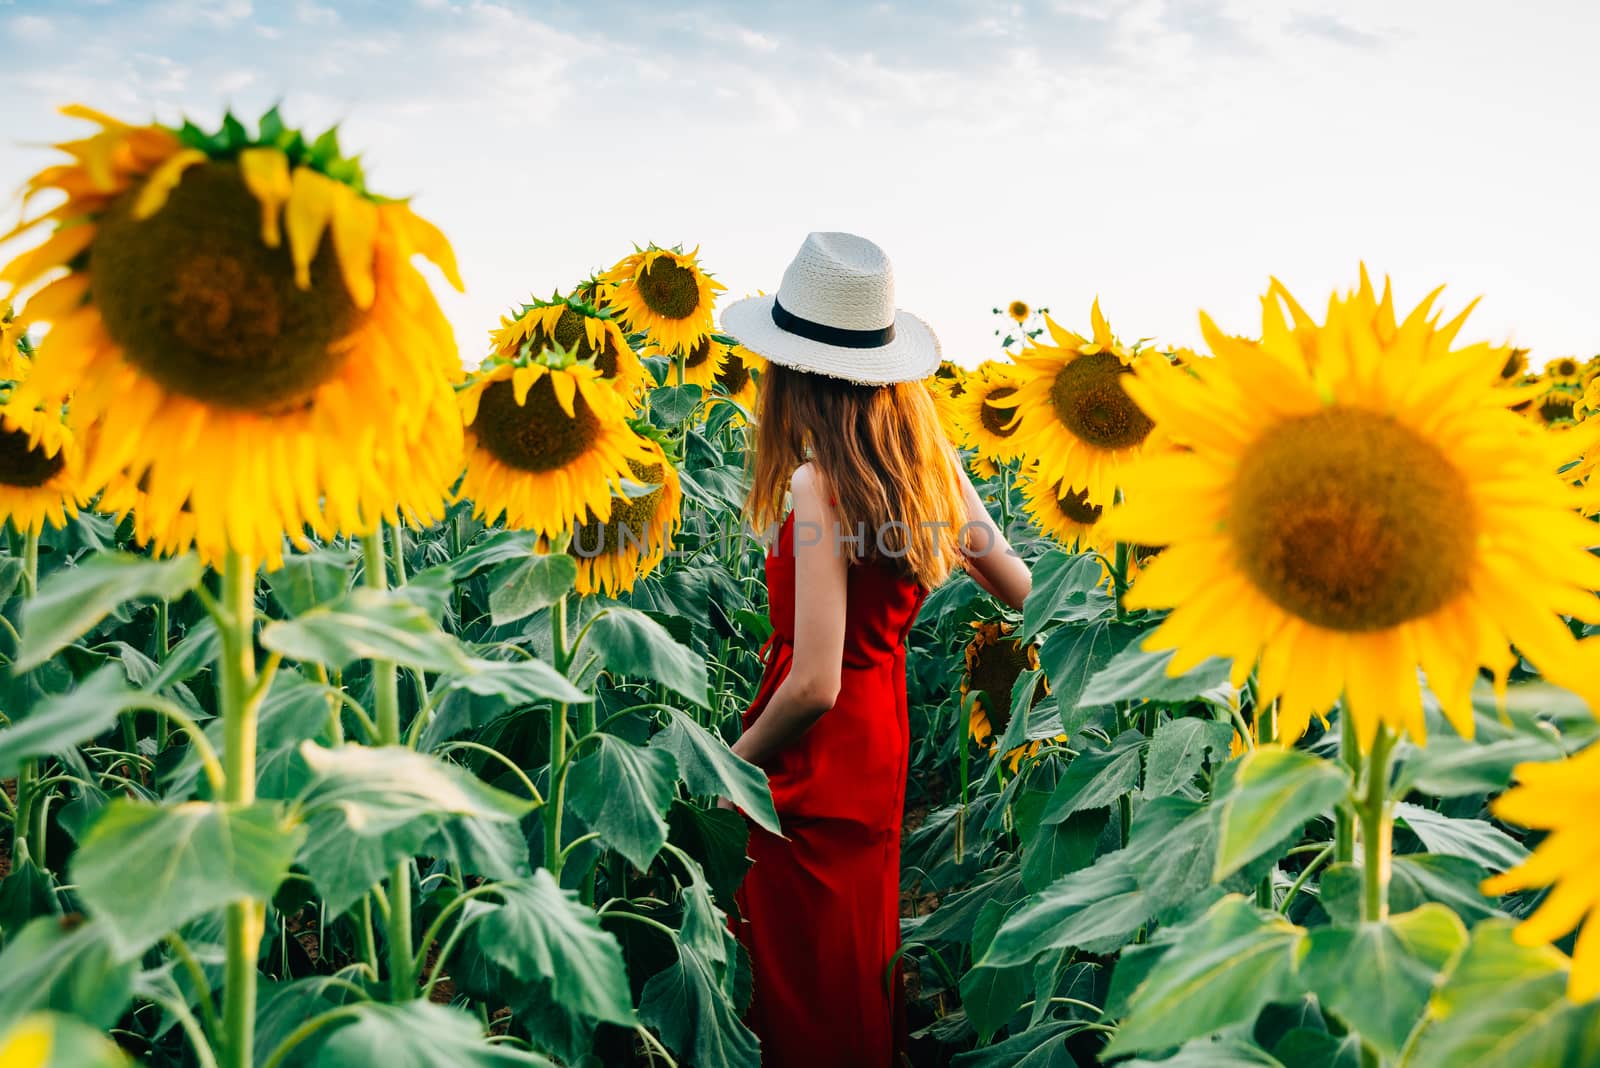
[[812, 684], [989, 557]]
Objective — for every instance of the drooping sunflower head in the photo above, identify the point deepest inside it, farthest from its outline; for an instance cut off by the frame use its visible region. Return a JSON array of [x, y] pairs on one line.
[[944, 387], [984, 415], [241, 324], [1067, 515], [736, 380], [1344, 524], [1556, 407], [994, 660], [950, 373], [1515, 366], [1019, 311], [664, 293], [1074, 415], [615, 553], [548, 443], [41, 468], [1564, 370], [702, 362], [574, 326]]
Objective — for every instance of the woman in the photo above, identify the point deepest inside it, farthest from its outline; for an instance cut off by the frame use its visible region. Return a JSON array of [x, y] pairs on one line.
[[881, 511]]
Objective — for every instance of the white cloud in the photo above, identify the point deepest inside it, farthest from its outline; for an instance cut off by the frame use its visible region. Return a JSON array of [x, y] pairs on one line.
[[32, 29], [313, 14]]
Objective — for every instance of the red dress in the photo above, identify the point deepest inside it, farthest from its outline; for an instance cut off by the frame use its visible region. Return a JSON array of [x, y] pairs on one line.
[[821, 905]]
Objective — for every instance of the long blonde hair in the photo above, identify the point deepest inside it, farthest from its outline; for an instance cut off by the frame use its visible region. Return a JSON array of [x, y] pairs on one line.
[[883, 456]]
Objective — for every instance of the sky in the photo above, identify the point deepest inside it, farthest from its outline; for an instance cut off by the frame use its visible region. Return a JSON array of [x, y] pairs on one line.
[[1163, 155]]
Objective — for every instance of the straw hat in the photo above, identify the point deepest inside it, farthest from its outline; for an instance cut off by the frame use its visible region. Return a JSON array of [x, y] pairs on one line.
[[834, 315]]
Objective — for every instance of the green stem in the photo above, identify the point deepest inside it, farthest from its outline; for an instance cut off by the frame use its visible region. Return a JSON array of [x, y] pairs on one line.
[[1005, 498], [558, 745], [1377, 831], [586, 727], [386, 697], [163, 648], [245, 918], [1344, 834], [28, 828], [30, 564], [29, 837], [1119, 576]]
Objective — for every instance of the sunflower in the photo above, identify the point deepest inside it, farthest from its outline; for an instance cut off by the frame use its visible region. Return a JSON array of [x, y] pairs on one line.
[[1075, 418], [1068, 515], [736, 381], [41, 468], [578, 328], [982, 467], [1555, 408], [14, 348], [242, 333], [548, 443], [1346, 523], [665, 293], [1559, 797], [1515, 366], [1564, 371], [1019, 311], [944, 386], [614, 554], [703, 363], [165, 532], [994, 662], [979, 414]]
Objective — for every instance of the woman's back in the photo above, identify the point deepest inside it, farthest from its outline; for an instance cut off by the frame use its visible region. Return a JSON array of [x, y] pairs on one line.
[[880, 606]]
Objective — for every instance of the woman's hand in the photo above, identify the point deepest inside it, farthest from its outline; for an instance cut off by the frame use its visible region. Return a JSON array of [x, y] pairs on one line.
[[723, 802]]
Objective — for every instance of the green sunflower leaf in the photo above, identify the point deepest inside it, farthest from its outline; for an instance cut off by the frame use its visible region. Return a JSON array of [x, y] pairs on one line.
[[1134, 674], [1378, 977], [62, 721], [709, 767], [523, 586], [186, 860], [66, 964], [623, 791], [632, 644], [367, 624], [72, 600], [1217, 973], [1265, 796], [539, 931]]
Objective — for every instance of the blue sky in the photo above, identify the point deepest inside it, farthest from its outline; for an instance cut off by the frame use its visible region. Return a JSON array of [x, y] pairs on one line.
[[1167, 155]]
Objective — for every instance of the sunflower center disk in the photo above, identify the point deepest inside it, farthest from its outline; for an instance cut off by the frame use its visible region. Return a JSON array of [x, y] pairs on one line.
[[1074, 504], [699, 354], [632, 527], [994, 671], [199, 304], [995, 420], [1089, 399], [537, 436], [735, 375], [24, 466], [1556, 406], [1351, 521], [573, 336], [669, 289]]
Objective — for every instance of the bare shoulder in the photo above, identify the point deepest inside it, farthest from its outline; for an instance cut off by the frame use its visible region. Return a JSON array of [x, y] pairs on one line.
[[808, 485]]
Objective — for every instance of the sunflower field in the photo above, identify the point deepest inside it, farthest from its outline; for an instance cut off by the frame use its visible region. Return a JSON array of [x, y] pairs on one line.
[[358, 709]]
